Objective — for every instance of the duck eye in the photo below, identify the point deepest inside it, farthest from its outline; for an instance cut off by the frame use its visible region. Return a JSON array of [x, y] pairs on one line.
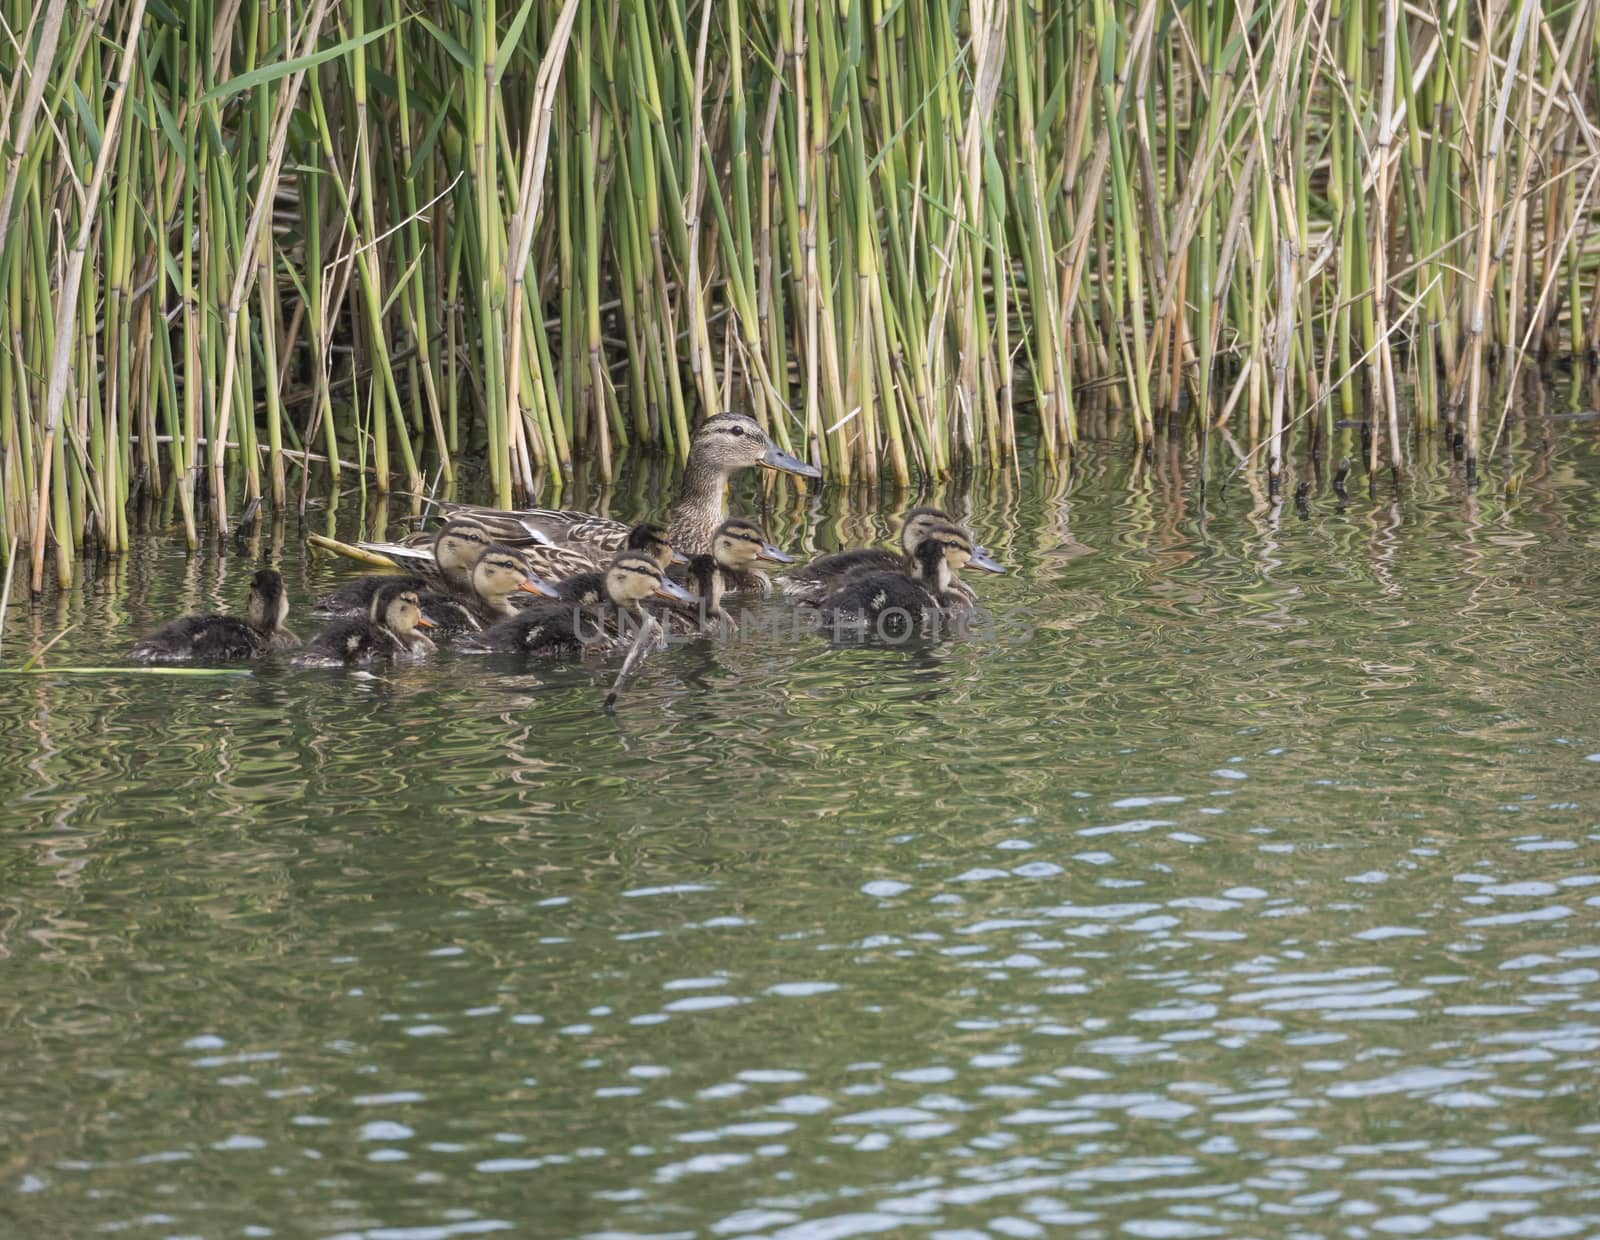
[[736, 431]]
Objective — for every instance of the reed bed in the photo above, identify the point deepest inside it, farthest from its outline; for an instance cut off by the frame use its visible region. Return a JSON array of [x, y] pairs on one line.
[[245, 245]]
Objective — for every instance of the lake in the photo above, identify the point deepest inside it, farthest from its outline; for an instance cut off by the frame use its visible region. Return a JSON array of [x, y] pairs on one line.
[[1240, 880]]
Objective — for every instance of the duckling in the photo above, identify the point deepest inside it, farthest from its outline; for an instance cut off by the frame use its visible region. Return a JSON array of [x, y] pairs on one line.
[[735, 548], [224, 638], [900, 601], [457, 548], [595, 610], [816, 580], [499, 573], [388, 631], [719, 448]]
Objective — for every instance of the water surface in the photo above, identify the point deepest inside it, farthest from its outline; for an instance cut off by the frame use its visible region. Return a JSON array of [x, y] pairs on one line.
[[1242, 882]]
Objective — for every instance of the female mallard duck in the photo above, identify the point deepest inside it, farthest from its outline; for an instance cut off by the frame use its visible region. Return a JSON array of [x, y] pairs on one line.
[[816, 580], [592, 612], [456, 550], [499, 573], [735, 548], [387, 631], [721, 447], [554, 562], [222, 638], [896, 602]]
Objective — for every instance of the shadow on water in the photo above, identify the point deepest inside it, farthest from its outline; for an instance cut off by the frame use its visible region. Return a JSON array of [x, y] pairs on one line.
[[1241, 882]]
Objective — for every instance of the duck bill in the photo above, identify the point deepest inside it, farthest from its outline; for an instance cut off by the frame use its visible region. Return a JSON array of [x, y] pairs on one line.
[[981, 559], [424, 623], [773, 555], [539, 586], [672, 590], [777, 458]]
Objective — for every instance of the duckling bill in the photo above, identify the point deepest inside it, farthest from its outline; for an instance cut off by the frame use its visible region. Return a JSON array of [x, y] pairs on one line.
[[215, 638]]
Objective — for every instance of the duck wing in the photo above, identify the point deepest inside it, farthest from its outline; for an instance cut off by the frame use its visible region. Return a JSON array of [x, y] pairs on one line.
[[603, 536], [557, 562]]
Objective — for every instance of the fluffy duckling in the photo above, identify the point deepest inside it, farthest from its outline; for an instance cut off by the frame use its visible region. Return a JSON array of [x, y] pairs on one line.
[[457, 547], [900, 601], [591, 613], [816, 580], [736, 546], [388, 631], [225, 638], [500, 572]]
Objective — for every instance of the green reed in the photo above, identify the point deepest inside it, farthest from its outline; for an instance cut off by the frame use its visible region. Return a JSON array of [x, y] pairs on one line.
[[244, 245]]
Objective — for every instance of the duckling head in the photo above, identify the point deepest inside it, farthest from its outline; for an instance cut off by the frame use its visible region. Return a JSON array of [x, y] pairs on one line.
[[268, 607], [737, 544], [943, 552], [634, 577], [460, 543], [398, 609], [502, 570], [733, 441], [651, 540], [918, 523]]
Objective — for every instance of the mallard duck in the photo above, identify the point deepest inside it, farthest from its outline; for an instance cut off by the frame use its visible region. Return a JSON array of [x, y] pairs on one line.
[[735, 548], [455, 552], [224, 638], [816, 580], [720, 447], [555, 562], [902, 600], [592, 613], [389, 630], [500, 572]]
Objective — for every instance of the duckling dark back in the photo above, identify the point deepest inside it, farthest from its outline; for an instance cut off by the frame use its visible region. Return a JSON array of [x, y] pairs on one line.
[[544, 629], [583, 589]]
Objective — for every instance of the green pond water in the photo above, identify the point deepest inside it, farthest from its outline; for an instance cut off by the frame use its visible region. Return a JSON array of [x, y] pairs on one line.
[[1244, 880]]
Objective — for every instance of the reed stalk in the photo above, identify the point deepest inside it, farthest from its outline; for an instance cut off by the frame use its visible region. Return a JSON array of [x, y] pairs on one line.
[[906, 238]]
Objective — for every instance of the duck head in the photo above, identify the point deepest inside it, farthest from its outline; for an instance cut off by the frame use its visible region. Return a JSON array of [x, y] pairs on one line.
[[651, 540], [732, 441], [501, 571], [943, 552], [460, 543], [268, 607], [398, 609], [917, 523], [921, 522], [737, 544], [634, 577]]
